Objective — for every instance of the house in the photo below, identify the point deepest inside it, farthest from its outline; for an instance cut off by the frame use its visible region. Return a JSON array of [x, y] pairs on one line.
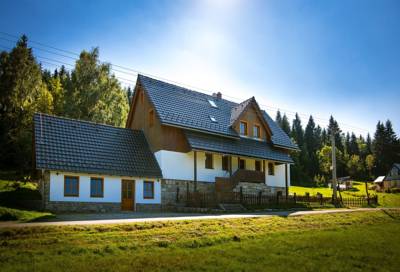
[[175, 140], [392, 179]]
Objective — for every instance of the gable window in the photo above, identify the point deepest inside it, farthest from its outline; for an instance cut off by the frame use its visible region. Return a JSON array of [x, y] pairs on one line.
[[212, 103], [243, 128], [225, 163], [151, 118], [271, 169], [257, 165], [71, 186], [256, 131], [96, 187], [209, 161], [242, 164], [148, 189]]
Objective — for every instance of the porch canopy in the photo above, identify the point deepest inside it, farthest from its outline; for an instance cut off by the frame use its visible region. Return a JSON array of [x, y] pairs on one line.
[[239, 147]]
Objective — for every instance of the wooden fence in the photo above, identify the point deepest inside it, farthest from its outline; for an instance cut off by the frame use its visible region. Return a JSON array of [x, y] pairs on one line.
[[211, 200]]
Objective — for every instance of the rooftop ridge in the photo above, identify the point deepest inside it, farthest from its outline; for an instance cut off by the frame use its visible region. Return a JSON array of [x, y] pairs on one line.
[[80, 121]]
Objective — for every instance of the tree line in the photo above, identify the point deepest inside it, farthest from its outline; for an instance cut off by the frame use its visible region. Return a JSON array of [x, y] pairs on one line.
[[358, 157], [90, 91]]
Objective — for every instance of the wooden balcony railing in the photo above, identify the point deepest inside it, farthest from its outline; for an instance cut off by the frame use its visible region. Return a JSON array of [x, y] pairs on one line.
[[225, 184]]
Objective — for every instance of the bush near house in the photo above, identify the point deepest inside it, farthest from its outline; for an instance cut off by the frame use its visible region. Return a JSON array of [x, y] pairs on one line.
[[16, 199]]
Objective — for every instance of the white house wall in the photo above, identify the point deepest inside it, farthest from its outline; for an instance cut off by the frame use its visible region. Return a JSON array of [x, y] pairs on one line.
[[177, 165], [112, 189]]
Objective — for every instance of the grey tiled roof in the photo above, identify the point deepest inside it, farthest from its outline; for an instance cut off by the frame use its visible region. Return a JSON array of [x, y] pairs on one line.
[[241, 146], [176, 105], [79, 146]]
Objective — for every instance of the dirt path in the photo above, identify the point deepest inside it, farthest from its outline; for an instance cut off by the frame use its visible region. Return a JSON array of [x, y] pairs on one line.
[[152, 217]]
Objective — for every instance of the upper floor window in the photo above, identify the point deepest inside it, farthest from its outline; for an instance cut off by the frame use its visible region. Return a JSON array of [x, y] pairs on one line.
[[257, 165], [71, 186], [271, 169], [225, 163], [209, 161], [148, 189], [96, 187], [256, 131], [243, 128], [242, 164], [151, 118]]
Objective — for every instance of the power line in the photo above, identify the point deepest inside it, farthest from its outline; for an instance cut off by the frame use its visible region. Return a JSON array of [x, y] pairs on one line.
[[136, 72]]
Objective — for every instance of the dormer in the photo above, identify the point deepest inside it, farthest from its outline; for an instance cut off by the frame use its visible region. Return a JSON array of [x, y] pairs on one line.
[[248, 121]]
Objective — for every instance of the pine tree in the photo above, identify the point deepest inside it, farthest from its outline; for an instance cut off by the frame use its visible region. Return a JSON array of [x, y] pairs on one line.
[[354, 150], [285, 124], [312, 146], [278, 118]]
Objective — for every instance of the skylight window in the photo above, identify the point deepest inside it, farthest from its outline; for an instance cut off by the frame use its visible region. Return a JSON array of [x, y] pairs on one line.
[[212, 103], [213, 119]]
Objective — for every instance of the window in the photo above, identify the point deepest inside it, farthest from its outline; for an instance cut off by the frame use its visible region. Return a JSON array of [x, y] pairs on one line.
[[151, 118], [225, 163], [257, 165], [256, 131], [71, 186], [243, 128], [212, 103], [148, 189], [213, 119], [209, 161], [242, 164], [96, 187], [271, 169]]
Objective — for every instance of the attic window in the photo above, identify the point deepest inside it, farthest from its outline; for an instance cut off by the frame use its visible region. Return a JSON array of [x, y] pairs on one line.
[[213, 119], [212, 103]]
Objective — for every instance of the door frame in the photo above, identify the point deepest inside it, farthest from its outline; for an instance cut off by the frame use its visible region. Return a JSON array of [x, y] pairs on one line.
[[133, 193]]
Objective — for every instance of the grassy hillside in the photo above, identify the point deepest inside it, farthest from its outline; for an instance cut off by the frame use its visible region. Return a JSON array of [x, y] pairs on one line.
[[368, 241], [384, 199]]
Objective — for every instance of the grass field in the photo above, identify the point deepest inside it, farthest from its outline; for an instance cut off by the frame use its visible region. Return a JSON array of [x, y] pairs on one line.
[[367, 241], [384, 199]]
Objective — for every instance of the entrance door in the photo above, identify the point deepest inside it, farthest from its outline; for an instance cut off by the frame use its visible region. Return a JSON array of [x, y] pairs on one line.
[[127, 195]]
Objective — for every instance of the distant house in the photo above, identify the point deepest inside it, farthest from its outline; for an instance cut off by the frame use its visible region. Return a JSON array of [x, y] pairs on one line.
[[391, 180], [175, 140]]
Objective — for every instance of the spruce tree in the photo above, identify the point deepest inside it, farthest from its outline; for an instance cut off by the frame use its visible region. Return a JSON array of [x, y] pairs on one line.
[[285, 124]]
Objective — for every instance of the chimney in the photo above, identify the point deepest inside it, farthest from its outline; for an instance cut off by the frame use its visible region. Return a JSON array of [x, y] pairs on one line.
[[217, 95]]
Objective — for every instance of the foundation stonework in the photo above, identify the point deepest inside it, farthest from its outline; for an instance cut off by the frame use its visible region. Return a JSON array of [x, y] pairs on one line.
[[169, 190]]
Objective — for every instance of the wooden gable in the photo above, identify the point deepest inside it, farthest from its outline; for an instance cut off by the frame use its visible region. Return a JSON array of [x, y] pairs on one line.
[[143, 116], [252, 116]]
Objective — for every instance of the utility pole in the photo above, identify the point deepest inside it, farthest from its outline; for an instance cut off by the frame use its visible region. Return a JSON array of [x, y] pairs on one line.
[[334, 179]]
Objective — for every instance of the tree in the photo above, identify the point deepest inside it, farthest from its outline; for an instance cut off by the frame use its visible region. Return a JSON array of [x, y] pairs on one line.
[[22, 93], [95, 94], [370, 163], [385, 147], [355, 167], [129, 95], [285, 124], [312, 146], [354, 150], [278, 118]]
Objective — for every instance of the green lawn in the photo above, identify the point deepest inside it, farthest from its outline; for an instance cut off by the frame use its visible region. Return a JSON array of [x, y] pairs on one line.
[[8, 214], [368, 241], [384, 199]]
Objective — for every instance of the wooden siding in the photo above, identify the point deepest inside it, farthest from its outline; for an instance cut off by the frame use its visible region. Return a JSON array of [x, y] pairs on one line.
[[160, 137], [251, 117]]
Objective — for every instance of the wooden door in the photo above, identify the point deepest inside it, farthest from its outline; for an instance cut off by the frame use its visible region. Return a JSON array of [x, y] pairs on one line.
[[127, 195]]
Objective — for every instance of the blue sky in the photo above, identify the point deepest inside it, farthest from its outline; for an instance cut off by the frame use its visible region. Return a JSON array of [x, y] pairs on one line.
[[314, 57]]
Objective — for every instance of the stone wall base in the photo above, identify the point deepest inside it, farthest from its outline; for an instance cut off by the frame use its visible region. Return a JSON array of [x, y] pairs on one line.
[[256, 188], [70, 206], [171, 187], [140, 207]]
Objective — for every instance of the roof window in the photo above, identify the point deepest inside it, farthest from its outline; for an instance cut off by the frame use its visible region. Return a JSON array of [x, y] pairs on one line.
[[213, 119], [212, 103]]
